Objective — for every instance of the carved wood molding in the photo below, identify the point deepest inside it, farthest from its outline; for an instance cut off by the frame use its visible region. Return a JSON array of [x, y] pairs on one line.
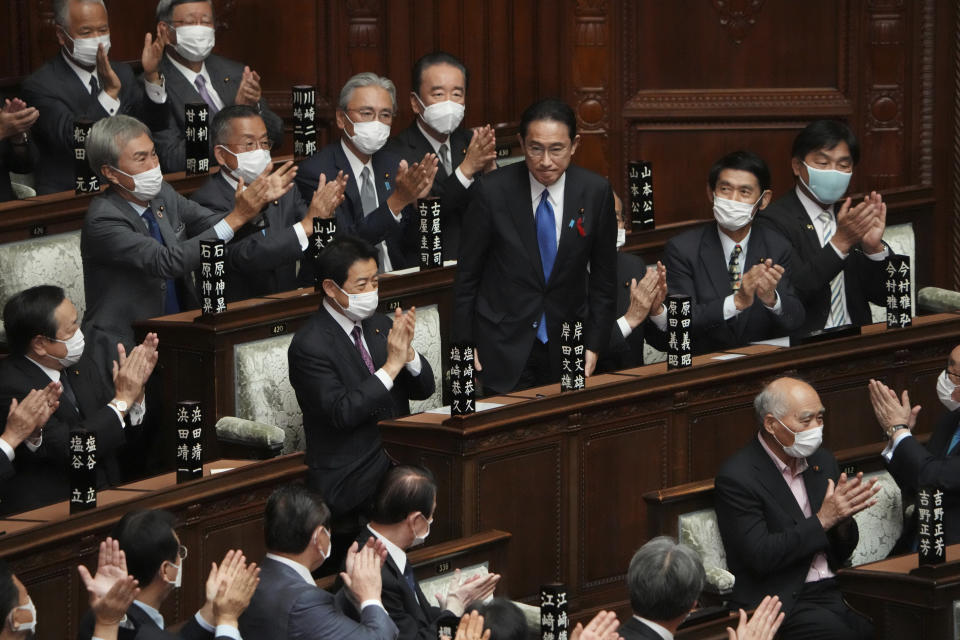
[[733, 103], [927, 41], [363, 18], [591, 23], [955, 255], [737, 17]]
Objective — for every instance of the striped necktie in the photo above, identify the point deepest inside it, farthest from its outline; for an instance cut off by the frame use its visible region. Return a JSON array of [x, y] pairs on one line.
[[736, 276], [837, 312]]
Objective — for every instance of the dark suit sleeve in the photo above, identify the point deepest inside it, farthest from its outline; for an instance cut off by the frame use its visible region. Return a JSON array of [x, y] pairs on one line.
[[419, 387], [316, 615], [54, 127], [808, 276], [743, 527], [792, 308], [602, 295], [912, 466], [6, 467], [680, 280], [406, 623], [478, 233], [870, 276]]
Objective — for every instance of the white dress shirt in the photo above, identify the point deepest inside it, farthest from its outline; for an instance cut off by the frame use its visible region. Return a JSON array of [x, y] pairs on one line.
[[727, 244], [111, 105], [191, 77], [464, 180], [398, 555], [660, 630], [555, 197], [414, 366], [356, 166], [297, 227]]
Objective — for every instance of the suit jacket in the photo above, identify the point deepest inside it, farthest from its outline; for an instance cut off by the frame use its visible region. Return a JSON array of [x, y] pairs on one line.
[[768, 542], [140, 626], [696, 267], [411, 145], [56, 91], [413, 614], [380, 224], [285, 606], [10, 160], [633, 629], [342, 403], [258, 262], [815, 266], [43, 476], [225, 77], [125, 270], [914, 466], [500, 293]]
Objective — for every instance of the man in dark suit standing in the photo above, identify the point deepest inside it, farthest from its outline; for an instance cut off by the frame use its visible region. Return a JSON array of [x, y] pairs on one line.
[[534, 227], [194, 75], [785, 516], [438, 96], [382, 186], [81, 83], [838, 251], [350, 368], [288, 603], [403, 510], [736, 273], [264, 254], [47, 347], [140, 241], [914, 465]]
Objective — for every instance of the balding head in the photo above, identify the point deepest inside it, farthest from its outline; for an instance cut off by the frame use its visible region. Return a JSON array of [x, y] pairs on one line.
[[953, 360], [784, 408]]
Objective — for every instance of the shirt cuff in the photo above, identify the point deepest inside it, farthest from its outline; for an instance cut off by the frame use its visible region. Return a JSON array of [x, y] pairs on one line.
[[156, 92], [730, 308], [109, 103], [384, 378], [223, 230], [659, 320], [202, 622], [880, 255], [624, 326], [464, 180], [415, 365], [226, 631], [371, 603], [843, 256], [887, 452], [7, 449], [119, 415], [34, 443], [301, 236], [137, 412], [777, 308]]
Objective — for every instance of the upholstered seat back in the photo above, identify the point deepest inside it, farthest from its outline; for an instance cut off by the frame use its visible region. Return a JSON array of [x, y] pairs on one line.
[[51, 259]]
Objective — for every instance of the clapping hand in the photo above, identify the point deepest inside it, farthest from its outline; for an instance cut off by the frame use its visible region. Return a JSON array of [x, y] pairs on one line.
[[891, 411], [111, 568], [475, 589], [764, 623], [603, 626], [16, 118], [248, 92]]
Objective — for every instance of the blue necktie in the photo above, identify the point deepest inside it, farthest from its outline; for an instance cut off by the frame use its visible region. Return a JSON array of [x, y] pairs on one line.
[[171, 304], [408, 577], [954, 441], [547, 240]]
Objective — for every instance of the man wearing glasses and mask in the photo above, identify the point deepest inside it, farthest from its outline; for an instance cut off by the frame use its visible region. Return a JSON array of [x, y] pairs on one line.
[[381, 188]]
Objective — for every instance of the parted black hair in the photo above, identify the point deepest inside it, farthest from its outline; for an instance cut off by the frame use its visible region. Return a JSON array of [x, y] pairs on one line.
[[293, 513], [403, 490], [742, 161], [825, 134], [221, 122], [549, 109], [165, 8], [31, 313], [336, 259], [503, 618], [146, 537], [430, 59]]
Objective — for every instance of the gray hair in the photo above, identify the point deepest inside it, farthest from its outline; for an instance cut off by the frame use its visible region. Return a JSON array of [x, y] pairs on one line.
[[165, 8], [61, 11], [772, 400], [108, 137], [664, 579], [366, 79]]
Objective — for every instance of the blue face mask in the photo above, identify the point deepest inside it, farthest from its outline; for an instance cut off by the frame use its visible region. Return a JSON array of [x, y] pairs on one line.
[[827, 185]]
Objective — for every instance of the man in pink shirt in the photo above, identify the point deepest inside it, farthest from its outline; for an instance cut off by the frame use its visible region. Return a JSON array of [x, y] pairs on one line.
[[784, 511]]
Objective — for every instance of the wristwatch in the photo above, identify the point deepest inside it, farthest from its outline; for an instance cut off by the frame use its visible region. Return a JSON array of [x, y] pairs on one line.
[[892, 430], [120, 405]]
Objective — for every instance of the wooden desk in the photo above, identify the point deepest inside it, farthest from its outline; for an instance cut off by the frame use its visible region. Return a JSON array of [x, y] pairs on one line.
[[904, 601], [215, 513], [566, 473]]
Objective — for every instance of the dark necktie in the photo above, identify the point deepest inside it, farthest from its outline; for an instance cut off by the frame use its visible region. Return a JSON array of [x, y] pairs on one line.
[[409, 579], [201, 84], [358, 343], [547, 241], [445, 158], [68, 390], [734, 267], [954, 441], [368, 194], [94, 86], [171, 303]]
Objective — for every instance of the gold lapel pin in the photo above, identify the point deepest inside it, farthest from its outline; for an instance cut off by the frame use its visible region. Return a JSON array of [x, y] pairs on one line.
[[810, 227]]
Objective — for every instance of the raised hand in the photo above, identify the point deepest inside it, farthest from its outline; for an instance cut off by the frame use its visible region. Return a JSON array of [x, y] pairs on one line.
[[643, 295], [481, 152], [111, 608], [603, 626], [234, 594], [889, 410], [853, 223], [109, 81], [25, 419], [270, 185], [743, 298], [248, 92], [872, 240], [767, 283], [362, 575], [111, 567], [474, 589], [399, 341], [16, 118], [152, 55], [471, 627], [764, 623], [413, 182], [845, 499], [326, 199]]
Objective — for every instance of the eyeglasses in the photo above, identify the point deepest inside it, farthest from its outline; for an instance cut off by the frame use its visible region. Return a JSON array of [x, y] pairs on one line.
[[952, 375], [368, 115], [182, 552], [204, 22], [536, 151], [252, 145]]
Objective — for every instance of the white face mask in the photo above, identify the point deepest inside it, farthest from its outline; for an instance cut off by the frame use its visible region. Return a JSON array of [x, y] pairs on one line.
[[621, 237], [250, 164], [326, 553], [805, 443], [418, 540], [85, 49], [75, 345], [179, 579], [368, 137], [945, 389], [146, 185], [361, 305], [733, 215], [443, 117], [195, 42], [24, 626]]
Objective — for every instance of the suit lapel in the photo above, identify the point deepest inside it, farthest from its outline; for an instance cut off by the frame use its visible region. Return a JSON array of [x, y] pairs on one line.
[[383, 177], [179, 85], [713, 262], [80, 89], [756, 249], [815, 482], [225, 85], [521, 210], [810, 236], [352, 191], [341, 341], [572, 207], [415, 599], [773, 483]]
